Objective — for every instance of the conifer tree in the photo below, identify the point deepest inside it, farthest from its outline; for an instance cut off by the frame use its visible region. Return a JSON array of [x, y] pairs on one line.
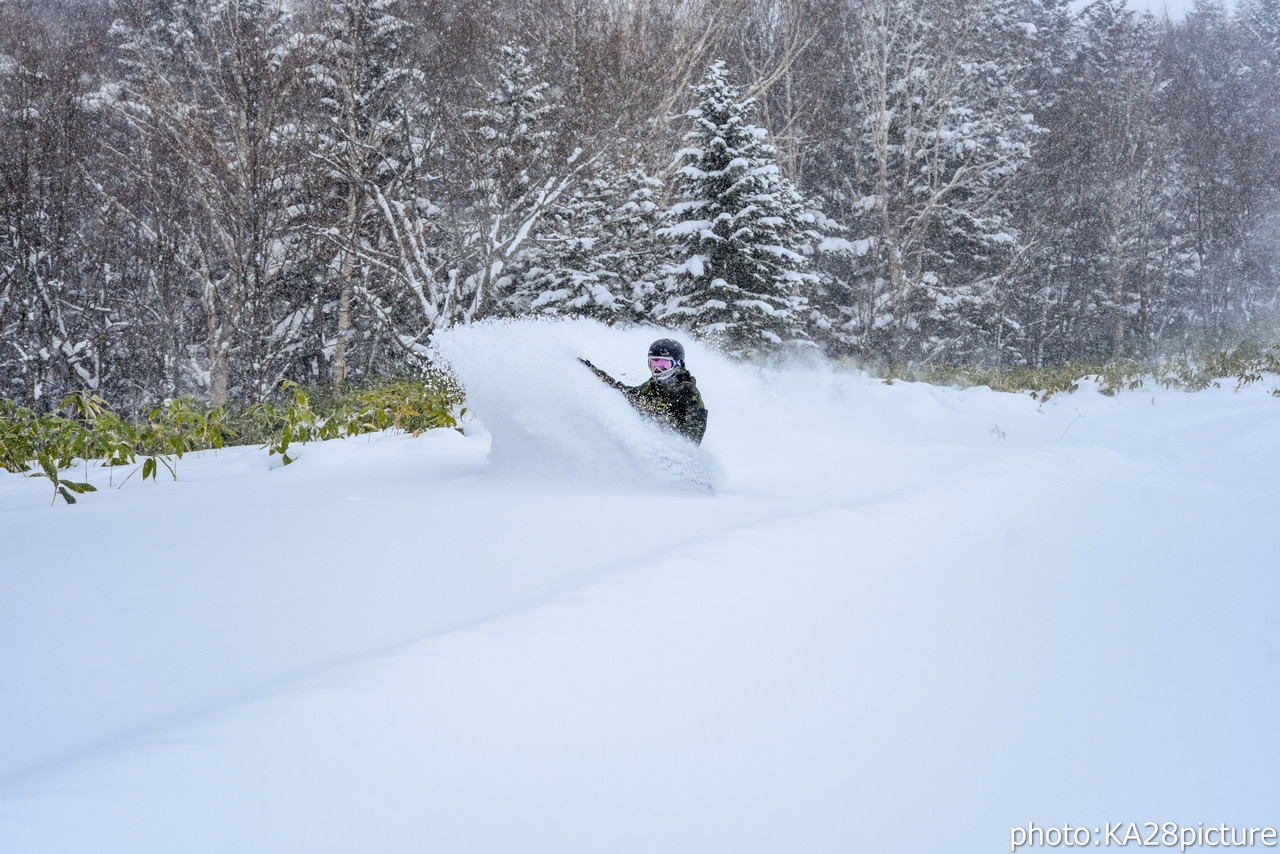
[[938, 125], [1260, 20], [596, 257], [737, 229], [1109, 234]]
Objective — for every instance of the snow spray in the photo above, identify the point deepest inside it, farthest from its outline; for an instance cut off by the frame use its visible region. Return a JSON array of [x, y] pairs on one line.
[[549, 416]]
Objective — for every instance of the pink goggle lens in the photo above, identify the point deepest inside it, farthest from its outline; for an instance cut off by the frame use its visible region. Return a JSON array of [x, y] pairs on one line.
[[657, 363]]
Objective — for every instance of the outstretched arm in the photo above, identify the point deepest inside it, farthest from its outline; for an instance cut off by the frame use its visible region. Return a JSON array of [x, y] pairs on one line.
[[603, 376]]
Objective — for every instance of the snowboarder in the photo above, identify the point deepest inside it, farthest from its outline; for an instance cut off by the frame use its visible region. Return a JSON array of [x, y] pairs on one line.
[[670, 396]]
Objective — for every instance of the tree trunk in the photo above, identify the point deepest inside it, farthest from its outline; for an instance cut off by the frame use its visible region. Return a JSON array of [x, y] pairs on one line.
[[219, 374], [344, 284]]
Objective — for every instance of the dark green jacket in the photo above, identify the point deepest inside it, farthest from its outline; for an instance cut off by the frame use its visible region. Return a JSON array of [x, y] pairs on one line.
[[674, 403]]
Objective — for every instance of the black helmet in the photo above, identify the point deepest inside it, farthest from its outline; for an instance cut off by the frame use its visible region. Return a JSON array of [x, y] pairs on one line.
[[667, 348]]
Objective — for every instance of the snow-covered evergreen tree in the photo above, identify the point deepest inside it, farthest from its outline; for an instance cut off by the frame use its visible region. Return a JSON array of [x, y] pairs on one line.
[[596, 255], [738, 231], [1246, 276], [939, 126], [636, 247], [1109, 226], [1260, 20]]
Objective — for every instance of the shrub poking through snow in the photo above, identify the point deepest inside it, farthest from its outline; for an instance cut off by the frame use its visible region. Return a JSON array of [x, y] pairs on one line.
[[85, 428], [1195, 371]]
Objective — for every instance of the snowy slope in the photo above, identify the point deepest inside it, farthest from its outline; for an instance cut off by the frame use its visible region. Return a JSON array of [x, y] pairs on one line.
[[912, 619]]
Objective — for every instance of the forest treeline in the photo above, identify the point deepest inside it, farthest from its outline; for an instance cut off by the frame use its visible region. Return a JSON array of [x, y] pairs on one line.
[[211, 196]]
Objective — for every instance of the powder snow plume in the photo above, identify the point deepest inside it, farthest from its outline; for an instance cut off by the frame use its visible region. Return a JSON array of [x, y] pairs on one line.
[[548, 415]]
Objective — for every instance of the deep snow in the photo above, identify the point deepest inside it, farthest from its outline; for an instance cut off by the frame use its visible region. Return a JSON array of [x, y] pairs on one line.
[[912, 619]]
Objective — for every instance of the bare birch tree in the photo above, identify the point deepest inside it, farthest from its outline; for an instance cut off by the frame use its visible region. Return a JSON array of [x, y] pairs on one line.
[[208, 96]]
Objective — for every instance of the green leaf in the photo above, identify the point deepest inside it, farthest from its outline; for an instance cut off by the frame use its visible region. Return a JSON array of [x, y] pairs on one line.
[[67, 496]]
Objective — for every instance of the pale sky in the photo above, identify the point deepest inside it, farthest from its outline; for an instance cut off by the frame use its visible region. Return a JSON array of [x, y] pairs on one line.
[[1175, 8]]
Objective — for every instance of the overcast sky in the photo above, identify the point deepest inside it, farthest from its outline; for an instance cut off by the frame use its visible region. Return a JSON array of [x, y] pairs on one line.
[[1175, 8]]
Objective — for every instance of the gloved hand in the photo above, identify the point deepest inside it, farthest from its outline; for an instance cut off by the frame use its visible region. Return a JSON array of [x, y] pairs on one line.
[[585, 362]]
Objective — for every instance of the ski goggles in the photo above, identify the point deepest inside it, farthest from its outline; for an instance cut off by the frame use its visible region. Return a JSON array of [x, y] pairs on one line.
[[660, 363]]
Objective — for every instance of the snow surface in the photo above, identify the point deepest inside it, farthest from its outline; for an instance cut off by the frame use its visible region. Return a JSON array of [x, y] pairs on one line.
[[912, 619]]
